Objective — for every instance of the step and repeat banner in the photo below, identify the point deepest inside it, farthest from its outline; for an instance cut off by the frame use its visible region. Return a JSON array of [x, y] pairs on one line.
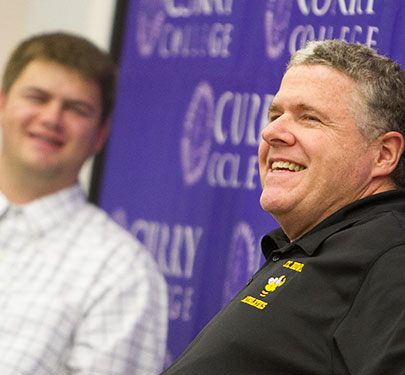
[[181, 170]]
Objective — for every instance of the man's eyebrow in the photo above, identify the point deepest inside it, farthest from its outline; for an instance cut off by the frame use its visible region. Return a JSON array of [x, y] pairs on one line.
[[274, 108], [80, 103], [35, 89], [309, 108]]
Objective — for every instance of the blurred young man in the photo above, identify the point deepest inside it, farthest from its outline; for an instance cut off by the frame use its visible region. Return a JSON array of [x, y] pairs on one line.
[[330, 298], [78, 294]]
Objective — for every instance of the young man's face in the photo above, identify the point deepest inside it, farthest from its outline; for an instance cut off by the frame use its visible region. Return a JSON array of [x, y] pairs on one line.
[[50, 122], [312, 158]]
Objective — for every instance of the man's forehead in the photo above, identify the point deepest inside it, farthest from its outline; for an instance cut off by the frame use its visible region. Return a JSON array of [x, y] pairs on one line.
[[42, 73]]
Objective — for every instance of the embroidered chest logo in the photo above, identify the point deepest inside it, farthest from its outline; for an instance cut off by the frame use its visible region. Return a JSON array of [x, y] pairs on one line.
[[295, 266], [273, 283]]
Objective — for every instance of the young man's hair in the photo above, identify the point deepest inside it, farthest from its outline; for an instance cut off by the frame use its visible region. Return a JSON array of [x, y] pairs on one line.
[[380, 82], [70, 51]]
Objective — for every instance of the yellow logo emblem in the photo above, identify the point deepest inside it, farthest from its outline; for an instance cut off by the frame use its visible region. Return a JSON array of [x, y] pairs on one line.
[[295, 266], [272, 284], [255, 302]]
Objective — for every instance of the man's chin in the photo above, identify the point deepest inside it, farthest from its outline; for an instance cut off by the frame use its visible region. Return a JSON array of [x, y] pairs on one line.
[[270, 204]]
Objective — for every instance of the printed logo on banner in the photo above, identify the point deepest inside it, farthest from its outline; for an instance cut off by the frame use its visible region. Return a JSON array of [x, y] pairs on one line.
[[276, 21], [233, 119], [243, 260], [196, 140], [321, 22], [150, 20], [193, 36]]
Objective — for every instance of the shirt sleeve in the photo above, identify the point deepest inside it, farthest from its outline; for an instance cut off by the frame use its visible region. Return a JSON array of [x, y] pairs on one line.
[[124, 327], [371, 338]]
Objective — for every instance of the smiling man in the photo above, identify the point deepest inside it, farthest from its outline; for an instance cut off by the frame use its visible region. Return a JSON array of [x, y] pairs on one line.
[[330, 298], [78, 294]]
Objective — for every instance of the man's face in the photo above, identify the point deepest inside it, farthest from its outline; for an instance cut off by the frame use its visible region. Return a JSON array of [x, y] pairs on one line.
[[50, 122], [313, 132]]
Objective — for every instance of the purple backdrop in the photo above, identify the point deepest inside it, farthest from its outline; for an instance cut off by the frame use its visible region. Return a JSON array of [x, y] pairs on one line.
[[181, 172]]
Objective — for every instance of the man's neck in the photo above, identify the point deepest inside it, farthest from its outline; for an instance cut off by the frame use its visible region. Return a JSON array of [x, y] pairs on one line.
[[21, 188], [296, 224]]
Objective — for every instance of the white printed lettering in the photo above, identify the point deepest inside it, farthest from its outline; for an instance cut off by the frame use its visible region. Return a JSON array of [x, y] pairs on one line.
[[355, 34], [195, 40], [173, 248], [198, 7], [223, 170], [240, 112], [219, 39], [180, 302], [370, 33], [346, 7]]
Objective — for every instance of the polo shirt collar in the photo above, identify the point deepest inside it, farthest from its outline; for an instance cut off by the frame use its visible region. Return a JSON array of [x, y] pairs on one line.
[[345, 217]]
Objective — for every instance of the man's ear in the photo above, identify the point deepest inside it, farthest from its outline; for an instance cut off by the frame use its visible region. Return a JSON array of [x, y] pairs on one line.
[[390, 149], [102, 135]]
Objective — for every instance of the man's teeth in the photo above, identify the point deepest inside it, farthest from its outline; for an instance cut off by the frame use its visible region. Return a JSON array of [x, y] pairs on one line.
[[278, 165]]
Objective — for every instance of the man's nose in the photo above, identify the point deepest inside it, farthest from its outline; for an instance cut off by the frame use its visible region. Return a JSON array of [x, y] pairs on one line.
[[279, 132], [51, 114]]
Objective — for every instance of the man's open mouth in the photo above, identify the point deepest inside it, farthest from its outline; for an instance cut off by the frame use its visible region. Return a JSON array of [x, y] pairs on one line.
[[280, 166]]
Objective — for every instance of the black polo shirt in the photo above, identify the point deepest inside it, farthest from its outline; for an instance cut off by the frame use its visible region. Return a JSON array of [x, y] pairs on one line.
[[332, 302]]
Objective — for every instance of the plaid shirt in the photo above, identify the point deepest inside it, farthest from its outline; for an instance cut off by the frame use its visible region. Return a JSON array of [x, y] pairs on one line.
[[78, 294]]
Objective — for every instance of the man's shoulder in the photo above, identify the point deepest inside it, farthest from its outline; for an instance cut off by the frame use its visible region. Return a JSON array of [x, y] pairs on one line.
[[99, 225]]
